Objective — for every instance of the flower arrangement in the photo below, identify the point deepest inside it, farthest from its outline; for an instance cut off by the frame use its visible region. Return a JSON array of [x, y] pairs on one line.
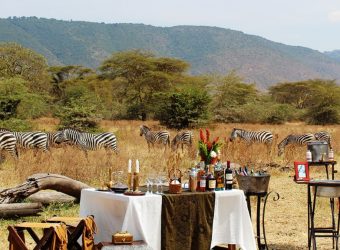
[[209, 151]]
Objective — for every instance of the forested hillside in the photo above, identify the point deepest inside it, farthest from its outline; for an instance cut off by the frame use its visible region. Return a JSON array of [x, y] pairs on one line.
[[207, 49], [335, 54]]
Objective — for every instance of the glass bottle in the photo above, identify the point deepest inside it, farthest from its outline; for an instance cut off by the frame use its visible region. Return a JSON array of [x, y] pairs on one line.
[[193, 180], [309, 156], [203, 181], [211, 181], [228, 177], [219, 176], [331, 155]]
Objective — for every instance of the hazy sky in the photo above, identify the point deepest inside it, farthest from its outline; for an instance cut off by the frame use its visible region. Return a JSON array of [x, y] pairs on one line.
[[310, 23]]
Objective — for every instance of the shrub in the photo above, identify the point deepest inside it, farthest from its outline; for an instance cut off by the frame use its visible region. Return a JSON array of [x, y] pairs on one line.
[[186, 109]]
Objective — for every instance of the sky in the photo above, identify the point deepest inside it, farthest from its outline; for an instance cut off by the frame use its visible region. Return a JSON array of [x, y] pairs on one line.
[[310, 23]]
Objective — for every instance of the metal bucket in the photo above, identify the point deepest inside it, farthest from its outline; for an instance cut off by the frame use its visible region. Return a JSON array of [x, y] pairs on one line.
[[253, 183], [319, 150]]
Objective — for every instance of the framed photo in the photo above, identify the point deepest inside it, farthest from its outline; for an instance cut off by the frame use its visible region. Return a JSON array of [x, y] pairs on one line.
[[301, 171]]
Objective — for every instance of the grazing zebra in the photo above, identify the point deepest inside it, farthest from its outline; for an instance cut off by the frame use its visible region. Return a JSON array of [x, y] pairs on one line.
[[323, 136], [53, 138], [89, 141], [153, 137], [265, 137], [294, 139], [37, 140], [8, 143], [182, 138]]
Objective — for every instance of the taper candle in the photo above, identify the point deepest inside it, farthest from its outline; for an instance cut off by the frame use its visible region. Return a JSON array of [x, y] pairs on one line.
[[129, 166], [137, 166]]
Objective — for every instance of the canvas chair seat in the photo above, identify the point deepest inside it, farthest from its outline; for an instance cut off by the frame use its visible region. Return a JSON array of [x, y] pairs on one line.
[[54, 236], [78, 227]]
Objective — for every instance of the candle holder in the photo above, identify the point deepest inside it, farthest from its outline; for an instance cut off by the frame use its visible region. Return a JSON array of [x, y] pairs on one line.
[[135, 182], [129, 177]]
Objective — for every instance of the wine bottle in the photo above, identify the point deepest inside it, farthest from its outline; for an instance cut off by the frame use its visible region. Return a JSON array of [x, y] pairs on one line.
[[228, 177], [211, 181]]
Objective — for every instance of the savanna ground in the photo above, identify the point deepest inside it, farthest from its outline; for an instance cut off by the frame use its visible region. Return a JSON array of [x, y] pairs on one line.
[[286, 219]]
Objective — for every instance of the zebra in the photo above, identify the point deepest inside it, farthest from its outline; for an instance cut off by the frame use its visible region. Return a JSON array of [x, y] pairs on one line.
[[184, 137], [53, 138], [294, 139], [8, 142], [37, 140], [153, 137], [265, 137], [323, 136], [89, 141]]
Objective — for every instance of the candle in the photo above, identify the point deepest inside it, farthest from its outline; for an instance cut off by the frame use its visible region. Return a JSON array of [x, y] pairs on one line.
[[137, 166], [129, 166]]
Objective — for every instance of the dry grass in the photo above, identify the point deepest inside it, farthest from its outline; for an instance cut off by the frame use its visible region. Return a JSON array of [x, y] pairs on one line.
[[286, 219]]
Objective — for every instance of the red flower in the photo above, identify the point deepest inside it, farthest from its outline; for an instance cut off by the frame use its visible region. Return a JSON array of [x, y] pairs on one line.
[[202, 136], [216, 140], [209, 146], [208, 134]]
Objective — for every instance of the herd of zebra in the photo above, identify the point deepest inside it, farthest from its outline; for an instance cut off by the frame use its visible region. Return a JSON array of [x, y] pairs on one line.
[[266, 137], [10, 141]]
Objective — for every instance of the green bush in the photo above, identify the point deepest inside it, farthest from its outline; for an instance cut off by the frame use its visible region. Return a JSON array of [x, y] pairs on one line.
[[16, 100], [186, 109]]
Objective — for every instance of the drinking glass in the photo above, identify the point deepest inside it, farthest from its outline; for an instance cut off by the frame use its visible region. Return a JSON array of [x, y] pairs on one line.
[[158, 183], [162, 181], [148, 185], [152, 181]]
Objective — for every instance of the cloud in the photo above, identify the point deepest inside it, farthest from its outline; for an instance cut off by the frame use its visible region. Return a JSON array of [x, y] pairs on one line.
[[334, 16]]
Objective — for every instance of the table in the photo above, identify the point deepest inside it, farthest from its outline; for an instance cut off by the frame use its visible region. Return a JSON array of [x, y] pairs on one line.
[[141, 216], [326, 164], [332, 231]]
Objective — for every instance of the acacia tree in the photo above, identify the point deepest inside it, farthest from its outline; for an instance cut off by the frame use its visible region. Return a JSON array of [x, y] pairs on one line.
[[141, 75], [231, 93], [17, 61]]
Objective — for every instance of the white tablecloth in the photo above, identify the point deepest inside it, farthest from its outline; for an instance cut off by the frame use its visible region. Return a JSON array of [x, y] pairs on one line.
[[141, 216], [232, 223]]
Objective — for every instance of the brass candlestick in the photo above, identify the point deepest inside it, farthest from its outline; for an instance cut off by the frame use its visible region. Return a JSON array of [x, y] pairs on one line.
[[135, 182], [129, 176]]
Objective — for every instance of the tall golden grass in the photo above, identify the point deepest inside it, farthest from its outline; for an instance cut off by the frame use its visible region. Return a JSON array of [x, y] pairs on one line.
[[286, 218]]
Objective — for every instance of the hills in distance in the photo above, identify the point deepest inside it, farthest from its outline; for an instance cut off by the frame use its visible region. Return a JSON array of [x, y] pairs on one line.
[[207, 49]]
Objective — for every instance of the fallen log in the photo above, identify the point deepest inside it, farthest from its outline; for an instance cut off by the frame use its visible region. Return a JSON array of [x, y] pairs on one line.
[[50, 196], [39, 182], [20, 209]]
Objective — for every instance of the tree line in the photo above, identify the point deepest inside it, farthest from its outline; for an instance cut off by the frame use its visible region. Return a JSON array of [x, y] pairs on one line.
[[137, 84]]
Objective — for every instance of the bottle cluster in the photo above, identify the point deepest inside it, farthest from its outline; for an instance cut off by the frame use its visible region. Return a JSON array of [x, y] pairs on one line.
[[213, 177]]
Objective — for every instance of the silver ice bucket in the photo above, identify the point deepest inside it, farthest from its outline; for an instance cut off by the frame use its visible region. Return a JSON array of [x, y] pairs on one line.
[[319, 150], [253, 183]]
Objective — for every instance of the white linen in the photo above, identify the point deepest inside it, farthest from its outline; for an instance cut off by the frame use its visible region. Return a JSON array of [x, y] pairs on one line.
[[139, 215], [232, 223]]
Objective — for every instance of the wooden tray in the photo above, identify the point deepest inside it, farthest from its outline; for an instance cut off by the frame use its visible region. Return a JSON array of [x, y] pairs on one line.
[[132, 193]]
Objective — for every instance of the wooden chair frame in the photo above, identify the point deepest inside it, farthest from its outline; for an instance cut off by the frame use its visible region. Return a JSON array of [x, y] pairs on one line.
[[17, 238]]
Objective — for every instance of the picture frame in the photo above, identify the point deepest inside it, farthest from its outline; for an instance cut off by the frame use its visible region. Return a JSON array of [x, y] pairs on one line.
[[301, 170]]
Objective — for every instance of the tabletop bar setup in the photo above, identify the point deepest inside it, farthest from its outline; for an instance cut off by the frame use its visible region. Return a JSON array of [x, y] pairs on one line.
[[206, 213]]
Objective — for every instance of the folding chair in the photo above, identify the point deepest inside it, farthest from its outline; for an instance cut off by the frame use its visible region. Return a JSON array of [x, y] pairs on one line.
[[78, 227], [54, 236]]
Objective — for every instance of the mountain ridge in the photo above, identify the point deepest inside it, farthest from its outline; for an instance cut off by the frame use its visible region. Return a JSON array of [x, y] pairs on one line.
[[207, 49]]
